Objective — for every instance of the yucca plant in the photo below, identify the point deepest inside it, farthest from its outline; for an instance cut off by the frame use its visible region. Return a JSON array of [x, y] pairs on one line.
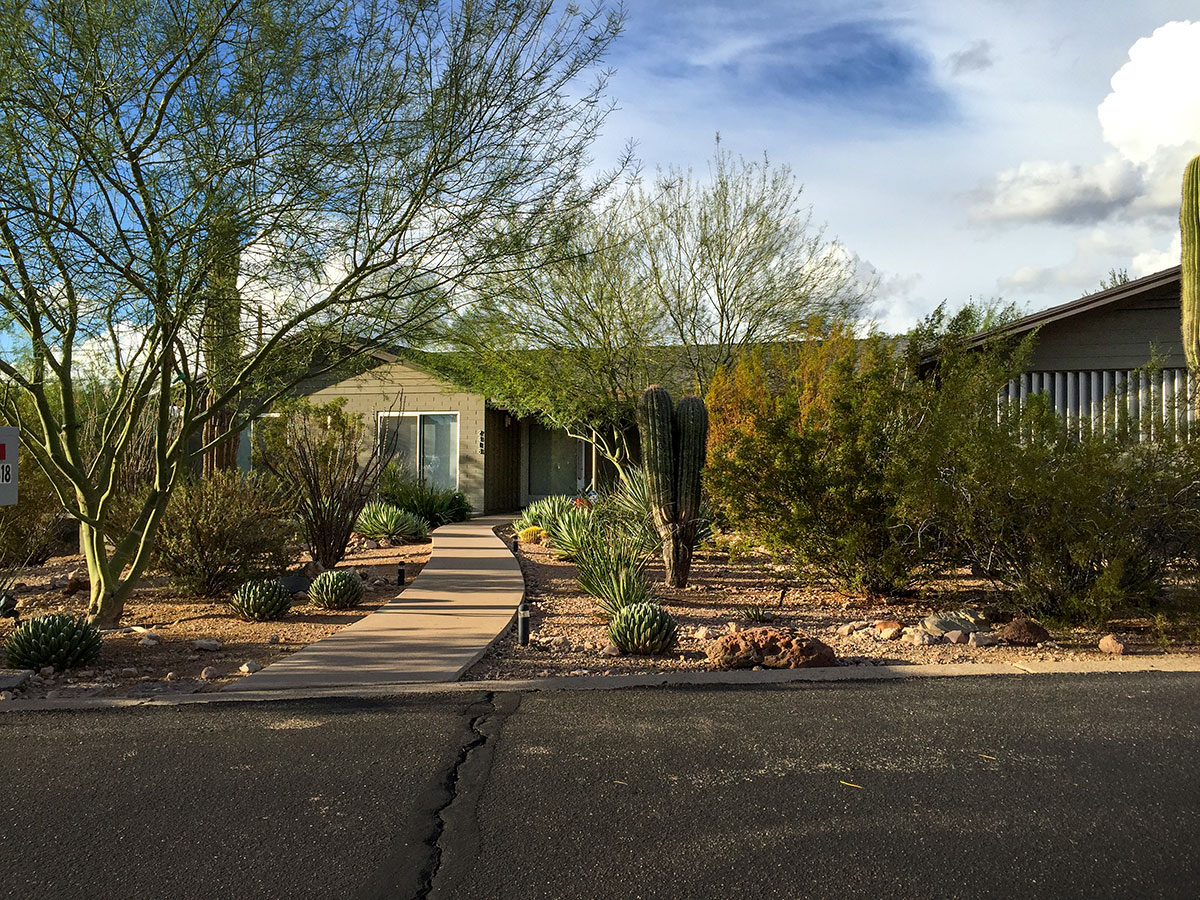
[[611, 567], [643, 628], [261, 601], [336, 589], [57, 640], [380, 520], [570, 531]]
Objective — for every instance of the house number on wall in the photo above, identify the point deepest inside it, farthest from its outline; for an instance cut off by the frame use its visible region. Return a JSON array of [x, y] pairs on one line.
[[8, 466], [481, 442]]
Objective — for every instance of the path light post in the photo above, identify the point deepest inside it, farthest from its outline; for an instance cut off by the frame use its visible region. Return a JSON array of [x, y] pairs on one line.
[[400, 574], [523, 624]]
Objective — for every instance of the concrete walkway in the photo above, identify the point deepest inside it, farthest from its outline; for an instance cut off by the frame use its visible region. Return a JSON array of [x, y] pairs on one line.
[[434, 631]]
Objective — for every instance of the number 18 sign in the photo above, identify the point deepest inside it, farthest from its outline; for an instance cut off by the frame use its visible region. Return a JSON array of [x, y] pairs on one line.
[[8, 466]]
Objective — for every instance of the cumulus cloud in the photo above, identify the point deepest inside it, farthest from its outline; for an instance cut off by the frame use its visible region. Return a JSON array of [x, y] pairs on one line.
[[1151, 123], [976, 57]]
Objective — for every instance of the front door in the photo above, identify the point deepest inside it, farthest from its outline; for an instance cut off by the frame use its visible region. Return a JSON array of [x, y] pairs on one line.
[[555, 462]]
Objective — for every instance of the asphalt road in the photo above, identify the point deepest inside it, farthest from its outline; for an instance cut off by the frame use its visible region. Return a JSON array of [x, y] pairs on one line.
[[1028, 787]]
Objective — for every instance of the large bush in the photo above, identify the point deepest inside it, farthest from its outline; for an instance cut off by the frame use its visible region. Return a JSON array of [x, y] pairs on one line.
[[226, 529], [812, 451]]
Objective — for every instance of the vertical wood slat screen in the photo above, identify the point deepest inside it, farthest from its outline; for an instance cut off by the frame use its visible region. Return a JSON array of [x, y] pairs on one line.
[[1145, 404]]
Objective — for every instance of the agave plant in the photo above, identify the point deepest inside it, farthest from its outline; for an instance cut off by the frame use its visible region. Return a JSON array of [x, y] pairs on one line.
[[643, 628], [57, 640], [611, 567], [336, 589], [570, 531], [261, 600], [380, 520]]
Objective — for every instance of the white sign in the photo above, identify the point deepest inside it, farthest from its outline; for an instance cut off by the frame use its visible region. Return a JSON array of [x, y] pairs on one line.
[[8, 466]]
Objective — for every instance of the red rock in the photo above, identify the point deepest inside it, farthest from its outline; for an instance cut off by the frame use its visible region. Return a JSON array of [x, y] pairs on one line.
[[1110, 643], [771, 648], [1024, 632], [888, 625]]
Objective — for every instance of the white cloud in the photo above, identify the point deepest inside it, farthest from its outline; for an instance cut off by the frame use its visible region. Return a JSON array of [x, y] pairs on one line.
[[1151, 122]]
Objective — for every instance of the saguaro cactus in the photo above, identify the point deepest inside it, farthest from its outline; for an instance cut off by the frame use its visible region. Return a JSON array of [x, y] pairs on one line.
[[1189, 230], [673, 449]]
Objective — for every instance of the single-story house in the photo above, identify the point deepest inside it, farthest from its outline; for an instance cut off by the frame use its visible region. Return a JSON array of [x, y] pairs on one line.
[[1091, 355], [455, 439]]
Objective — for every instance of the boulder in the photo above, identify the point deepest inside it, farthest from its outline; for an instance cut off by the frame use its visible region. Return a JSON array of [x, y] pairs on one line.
[[891, 633], [921, 638], [771, 648], [1110, 643], [983, 639], [939, 623], [957, 636], [1024, 633]]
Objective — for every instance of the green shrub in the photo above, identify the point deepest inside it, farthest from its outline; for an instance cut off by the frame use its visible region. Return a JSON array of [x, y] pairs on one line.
[[544, 513], [57, 640], [1076, 527], [643, 628], [30, 529], [223, 530], [380, 520], [261, 601], [336, 589], [610, 565], [402, 489], [814, 451]]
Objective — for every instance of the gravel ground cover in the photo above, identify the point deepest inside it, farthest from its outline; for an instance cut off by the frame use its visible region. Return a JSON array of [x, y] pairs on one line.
[[155, 652], [749, 590]]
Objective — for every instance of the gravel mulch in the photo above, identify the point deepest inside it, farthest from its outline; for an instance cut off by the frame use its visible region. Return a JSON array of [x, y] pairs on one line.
[[127, 668], [568, 637]]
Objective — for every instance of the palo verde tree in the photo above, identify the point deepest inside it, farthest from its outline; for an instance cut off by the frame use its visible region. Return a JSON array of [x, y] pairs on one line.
[[573, 341], [735, 261], [202, 203]]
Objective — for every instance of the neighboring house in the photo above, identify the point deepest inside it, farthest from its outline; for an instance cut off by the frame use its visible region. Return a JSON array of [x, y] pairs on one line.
[[455, 439], [1090, 355]]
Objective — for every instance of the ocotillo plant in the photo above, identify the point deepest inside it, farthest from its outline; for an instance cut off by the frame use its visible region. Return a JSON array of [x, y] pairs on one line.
[[673, 449], [1189, 231]]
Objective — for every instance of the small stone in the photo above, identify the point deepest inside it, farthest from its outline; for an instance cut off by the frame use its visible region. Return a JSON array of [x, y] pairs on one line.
[[733, 627], [369, 544], [891, 634], [1110, 643], [150, 639], [75, 583], [7, 695], [46, 671], [312, 569], [887, 625], [378, 582], [300, 597], [983, 639], [701, 633], [846, 630], [921, 638], [273, 639], [610, 650], [956, 636], [208, 673], [560, 643], [170, 676], [209, 644], [249, 667], [1024, 633]]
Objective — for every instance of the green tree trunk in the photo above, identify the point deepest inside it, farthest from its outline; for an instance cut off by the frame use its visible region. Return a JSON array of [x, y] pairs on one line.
[[1189, 231]]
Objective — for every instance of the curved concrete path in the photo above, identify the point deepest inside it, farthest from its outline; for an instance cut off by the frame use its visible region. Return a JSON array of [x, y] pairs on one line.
[[433, 631]]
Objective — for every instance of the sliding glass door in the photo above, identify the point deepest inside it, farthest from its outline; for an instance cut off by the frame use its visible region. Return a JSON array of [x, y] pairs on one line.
[[426, 444]]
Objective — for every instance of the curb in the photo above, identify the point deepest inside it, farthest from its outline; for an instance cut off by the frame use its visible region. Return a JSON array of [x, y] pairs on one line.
[[737, 678]]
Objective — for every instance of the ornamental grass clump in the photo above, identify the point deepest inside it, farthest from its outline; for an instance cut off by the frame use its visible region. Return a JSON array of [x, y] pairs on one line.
[[336, 589], [437, 506], [643, 628], [380, 520], [261, 601], [57, 640]]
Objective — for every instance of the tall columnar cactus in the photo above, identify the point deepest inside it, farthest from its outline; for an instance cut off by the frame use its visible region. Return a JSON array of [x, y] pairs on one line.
[[1189, 230], [673, 449]]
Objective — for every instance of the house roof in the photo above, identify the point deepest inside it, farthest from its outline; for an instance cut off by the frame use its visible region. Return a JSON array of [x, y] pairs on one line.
[[1087, 303]]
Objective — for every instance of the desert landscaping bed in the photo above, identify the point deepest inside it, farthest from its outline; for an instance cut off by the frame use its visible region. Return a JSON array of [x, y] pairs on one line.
[[726, 594], [156, 652]]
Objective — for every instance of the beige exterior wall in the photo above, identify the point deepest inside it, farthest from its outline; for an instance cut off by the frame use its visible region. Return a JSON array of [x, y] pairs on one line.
[[396, 387]]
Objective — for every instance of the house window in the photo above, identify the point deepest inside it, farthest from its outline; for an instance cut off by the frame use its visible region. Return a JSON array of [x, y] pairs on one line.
[[425, 443]]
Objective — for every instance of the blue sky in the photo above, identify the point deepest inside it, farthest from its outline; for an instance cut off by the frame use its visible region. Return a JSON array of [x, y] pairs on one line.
[[991, 148]]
